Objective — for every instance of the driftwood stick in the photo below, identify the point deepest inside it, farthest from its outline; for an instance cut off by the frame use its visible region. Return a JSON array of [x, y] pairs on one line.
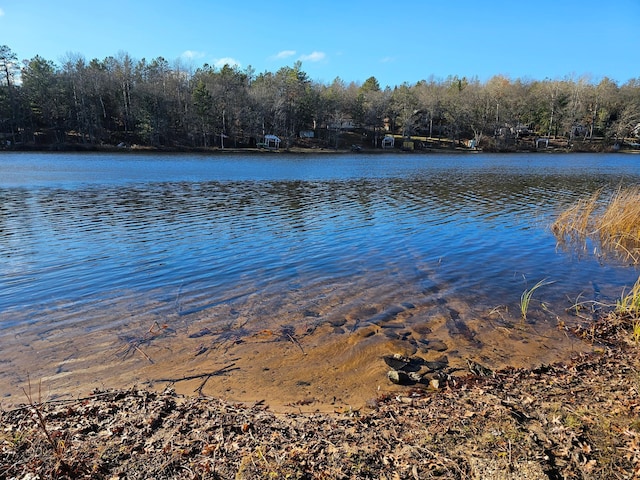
[[143, 354], [200, 375], [199, 389], [296, 342]]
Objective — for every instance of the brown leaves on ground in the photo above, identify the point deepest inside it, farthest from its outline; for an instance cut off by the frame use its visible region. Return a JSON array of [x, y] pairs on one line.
[[578, 420]]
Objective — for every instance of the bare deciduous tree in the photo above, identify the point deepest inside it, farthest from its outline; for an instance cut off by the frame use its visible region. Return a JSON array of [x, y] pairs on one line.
[[155, 102]]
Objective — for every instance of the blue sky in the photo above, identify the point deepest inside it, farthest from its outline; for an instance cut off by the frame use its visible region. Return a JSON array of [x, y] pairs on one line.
[[394, 41]]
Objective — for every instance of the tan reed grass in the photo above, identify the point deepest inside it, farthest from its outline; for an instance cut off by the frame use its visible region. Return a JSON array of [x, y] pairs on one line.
[[629, 303], [619, 225], [627, 311], [615, 223], [575, 223]]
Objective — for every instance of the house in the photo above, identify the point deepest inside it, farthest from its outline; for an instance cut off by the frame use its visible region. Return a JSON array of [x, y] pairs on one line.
[[579, 131], [388, 141], [342, 124], [542, 141], [271, 142]]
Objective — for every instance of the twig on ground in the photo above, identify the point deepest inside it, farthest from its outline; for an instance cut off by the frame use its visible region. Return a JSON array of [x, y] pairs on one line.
[[36, 406], [296, 342], [142, 353], [208, 375]]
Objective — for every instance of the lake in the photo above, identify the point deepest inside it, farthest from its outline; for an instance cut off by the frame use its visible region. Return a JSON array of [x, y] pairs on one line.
[[288, 276]]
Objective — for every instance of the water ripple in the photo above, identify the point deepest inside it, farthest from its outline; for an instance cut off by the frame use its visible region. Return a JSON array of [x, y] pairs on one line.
[[65, 248]]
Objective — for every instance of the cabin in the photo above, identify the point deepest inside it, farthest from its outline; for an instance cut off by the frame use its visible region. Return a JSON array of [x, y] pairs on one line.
[[408, 145], [542, 141], [271, 142], [342, 124]]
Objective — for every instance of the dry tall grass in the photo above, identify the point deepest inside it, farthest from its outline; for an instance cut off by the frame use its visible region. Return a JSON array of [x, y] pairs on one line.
[[629, 304], [619, 225], [614, 223], [576, 221]]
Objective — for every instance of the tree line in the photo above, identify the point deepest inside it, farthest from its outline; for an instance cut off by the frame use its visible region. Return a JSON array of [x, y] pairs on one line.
[[120, 100]]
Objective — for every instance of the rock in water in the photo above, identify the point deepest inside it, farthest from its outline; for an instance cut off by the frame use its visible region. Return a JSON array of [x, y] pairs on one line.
[[406, 364], [478, 369], [399, 378], [437, 364], [437, 345], [396, 361]]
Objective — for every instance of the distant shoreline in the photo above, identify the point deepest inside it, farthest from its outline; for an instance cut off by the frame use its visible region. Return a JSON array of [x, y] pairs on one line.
[[73, 147]]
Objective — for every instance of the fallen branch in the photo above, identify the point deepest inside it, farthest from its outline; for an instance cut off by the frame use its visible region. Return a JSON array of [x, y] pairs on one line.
[[296, 342], [143, 354], [220, 371], [199, 389]]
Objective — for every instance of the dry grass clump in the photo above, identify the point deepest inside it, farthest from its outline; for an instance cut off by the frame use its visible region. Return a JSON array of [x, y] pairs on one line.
[[628, 308], [629, 304], [576, 222], [620, 324], [615, 223], [619, 225]]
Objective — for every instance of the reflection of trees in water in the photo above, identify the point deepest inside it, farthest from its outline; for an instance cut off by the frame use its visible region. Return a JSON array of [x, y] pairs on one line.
[[270, 236], [294, 204]]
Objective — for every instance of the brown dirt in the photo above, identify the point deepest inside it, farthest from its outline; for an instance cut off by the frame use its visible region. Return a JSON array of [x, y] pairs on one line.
[[574, 419]]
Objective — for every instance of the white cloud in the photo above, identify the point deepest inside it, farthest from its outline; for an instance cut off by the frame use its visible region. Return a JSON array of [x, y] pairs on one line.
[[1, 12], [387, 59], [221, 62], [313, 57], [285, 54], [192, 54]]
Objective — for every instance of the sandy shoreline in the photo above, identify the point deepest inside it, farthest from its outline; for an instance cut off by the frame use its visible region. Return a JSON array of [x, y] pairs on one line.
[[574, 419], [562, 421], [296, 361], [433, 146]]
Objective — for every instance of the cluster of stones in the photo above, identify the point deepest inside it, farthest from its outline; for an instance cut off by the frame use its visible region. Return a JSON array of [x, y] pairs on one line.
[[413, 370]]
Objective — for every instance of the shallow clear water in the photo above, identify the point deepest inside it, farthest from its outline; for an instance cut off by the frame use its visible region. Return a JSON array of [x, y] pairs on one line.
[[93, 242], [77, 230]]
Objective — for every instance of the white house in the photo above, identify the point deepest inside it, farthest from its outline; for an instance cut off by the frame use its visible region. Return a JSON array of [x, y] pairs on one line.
[[271, 141], [388, 141]]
